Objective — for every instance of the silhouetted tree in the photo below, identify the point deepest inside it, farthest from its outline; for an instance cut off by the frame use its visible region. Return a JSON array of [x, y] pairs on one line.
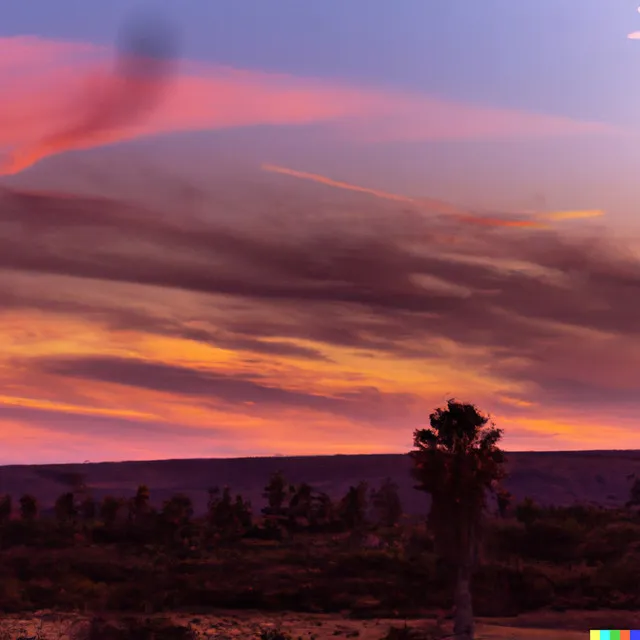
[[65, 508], [634, 493], [109, 510], [225, 515], [242, 509], [6, 507], [220, 511], [88, 509], [503, 502], [175, 517], [457, 461], [139, 506], [386, 502], [353, 507], [322, 509], [277, 493], [177, 509], [28, 507], [300, 504]]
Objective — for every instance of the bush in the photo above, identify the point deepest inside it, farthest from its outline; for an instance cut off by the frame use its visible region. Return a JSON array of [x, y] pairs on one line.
[[611, 542], [504, 591], [553, 541], [619, 575], [505, 539], [275, 634], [133, 629], [12, 597]]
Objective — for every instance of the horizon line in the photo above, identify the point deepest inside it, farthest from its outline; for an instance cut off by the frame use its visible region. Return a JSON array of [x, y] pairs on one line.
[[318, 455]]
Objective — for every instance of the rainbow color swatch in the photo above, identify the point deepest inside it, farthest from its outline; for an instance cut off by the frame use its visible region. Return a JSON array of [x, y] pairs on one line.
[[601, 634]]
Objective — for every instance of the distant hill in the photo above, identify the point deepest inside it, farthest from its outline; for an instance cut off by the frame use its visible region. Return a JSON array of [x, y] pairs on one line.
[[560, 478]]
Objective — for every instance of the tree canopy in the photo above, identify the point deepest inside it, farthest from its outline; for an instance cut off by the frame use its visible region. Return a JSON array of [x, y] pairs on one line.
[[458, 462]]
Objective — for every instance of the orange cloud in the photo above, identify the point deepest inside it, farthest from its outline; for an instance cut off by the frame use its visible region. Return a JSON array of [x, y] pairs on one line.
[[571, 215], [500, 222], [32, 403], [61, 96], [178, 338]]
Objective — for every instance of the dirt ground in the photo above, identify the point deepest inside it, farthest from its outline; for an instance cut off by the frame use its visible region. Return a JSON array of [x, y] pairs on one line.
[[248, 625]]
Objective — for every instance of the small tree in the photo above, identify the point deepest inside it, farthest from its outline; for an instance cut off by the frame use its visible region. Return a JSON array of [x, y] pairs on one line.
[[634, 493], [353, 507], [178, 509], [6, 507], [28, 508], [300, 505], [503, 502], [220, 511], [322, 509], [139, 506], [242, 511], [527, 512], [88, 509], [109, 510], [457, 461], [65, 508], [386, 502], [225, 516], [277, 493]]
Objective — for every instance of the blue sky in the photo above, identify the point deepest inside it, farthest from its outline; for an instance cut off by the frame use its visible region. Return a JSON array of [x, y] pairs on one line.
[[561, 56], [555, 57]]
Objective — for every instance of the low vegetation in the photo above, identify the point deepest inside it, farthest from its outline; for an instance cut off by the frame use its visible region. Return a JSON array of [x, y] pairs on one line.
[[306, 552]]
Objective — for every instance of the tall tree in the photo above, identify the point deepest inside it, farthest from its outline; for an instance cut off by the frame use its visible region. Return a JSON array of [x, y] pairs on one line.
[[457, 461]]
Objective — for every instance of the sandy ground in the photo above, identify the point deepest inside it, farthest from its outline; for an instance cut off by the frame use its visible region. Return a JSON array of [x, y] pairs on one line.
[[247, 626]]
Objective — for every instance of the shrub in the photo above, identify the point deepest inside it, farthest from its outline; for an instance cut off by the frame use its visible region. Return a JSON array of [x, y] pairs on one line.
[[553, 541], [619, 575], [610, 542], [132, 629], [275, 634], [505, 539]]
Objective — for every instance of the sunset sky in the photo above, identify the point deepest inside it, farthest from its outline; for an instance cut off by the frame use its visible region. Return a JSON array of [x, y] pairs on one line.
[[295, 227]]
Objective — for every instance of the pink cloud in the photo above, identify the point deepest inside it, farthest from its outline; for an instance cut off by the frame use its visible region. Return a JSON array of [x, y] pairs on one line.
[[60, 96]]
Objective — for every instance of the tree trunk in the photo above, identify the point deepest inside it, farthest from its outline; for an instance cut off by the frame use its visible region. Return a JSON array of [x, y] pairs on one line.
[[463, 625]]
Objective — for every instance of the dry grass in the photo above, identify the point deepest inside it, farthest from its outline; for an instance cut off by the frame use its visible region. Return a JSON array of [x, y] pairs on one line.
[[255, 625]]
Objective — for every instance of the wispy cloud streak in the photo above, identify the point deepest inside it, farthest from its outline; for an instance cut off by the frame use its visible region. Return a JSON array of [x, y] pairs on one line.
[[531, 220]]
